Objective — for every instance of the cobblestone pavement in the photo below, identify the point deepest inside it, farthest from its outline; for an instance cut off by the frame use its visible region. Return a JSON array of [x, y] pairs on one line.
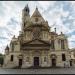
[[39, 71]]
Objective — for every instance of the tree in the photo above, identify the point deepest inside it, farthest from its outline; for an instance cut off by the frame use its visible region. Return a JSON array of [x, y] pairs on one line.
[[1, 59]]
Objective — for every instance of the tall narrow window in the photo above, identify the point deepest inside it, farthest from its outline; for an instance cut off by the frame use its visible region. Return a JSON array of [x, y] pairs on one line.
[[74, 54], [11, 58], [52, 44], [24, 24], [59, 41], [62, 44], [12, 46], [27, 59], [45, 59], [63, 57], [36, 19]]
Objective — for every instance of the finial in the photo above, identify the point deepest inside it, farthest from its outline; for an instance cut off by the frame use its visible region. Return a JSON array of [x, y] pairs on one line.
[[36, 8], [27, 5], [61, 33], [26, 8], [13, 36], [55, 30], [46, 21], [7, 48]]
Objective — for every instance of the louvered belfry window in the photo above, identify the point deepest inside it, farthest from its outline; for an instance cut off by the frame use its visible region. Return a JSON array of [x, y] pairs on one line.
[[11, 58]]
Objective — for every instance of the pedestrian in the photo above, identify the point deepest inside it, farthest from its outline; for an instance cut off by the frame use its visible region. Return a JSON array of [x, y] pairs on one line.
[[64, 65]]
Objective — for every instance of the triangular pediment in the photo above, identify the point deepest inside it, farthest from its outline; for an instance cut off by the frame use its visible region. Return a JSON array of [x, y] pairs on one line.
[[36, 45], [36, 41]]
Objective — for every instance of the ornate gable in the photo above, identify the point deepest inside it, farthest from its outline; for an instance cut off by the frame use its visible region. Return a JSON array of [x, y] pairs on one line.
[[36, 13], [36, 17]]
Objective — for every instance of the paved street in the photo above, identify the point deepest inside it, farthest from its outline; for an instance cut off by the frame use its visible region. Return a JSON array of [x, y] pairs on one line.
[[38, 71]]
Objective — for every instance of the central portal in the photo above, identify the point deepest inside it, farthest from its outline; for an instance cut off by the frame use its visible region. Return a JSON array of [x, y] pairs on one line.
[[36, 61], [53, 62]]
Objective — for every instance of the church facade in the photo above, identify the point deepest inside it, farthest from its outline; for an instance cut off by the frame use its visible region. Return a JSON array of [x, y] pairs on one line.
[[37, 45]]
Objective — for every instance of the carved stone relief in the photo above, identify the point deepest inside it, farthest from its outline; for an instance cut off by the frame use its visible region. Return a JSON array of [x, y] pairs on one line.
[[36, 33]]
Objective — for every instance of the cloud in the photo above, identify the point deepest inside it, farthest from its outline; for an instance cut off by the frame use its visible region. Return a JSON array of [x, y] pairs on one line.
[[59, 14]]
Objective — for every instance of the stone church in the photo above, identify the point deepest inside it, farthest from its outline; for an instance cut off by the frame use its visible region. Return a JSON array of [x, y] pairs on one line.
[[36, 45]]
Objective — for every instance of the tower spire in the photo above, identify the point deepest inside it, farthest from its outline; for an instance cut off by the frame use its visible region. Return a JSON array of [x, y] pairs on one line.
[[36, 8], [26, 9], [25, 16]]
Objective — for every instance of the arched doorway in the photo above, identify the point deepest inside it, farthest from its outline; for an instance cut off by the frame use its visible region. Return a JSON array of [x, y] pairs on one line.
[[20, 62], [36, 58], [53, 60], [70, 62], [36, 61], [20, 59]]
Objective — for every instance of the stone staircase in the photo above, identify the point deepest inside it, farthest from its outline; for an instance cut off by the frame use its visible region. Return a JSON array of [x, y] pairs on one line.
[[33, 67], [16, 67]]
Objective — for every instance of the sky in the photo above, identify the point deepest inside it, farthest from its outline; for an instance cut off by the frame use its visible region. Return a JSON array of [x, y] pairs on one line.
[[59, 14]]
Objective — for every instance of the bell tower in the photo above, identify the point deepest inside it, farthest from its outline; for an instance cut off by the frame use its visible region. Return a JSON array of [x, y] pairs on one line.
[[25, 16], [26, 11]]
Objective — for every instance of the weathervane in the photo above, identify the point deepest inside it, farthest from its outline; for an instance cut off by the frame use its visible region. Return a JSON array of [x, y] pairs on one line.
[[55, 27]]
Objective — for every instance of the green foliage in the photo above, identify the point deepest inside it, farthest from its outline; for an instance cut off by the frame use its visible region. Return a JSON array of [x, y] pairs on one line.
[[1, 54], [1, 59]]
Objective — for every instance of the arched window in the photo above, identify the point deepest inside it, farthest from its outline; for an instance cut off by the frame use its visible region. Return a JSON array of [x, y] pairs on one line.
[[62, 44], [27, 59], [52, 44], [12, 46], [11, 58], [59, 41], [45, 59], [26, 10], [63, 57], [36, 19], [24, 24]]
